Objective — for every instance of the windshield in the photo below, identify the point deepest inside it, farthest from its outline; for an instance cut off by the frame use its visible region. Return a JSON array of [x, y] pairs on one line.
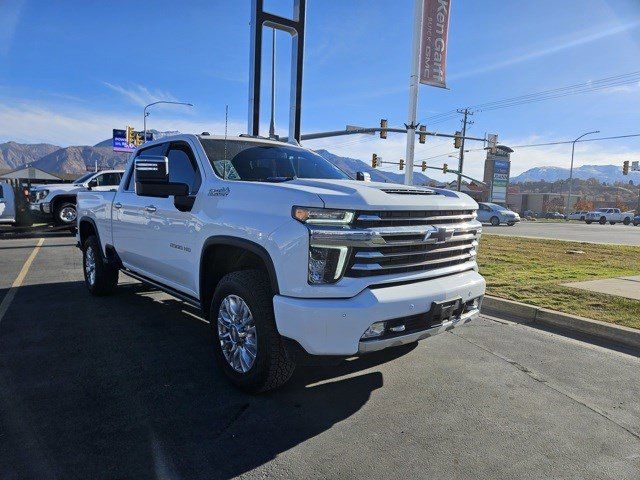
[[602, 209], [256, 162], [84, 178], [495, 206]]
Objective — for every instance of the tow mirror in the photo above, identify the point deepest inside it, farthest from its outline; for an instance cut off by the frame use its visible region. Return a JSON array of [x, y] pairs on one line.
[[92, 183], [152, 178], [363, 176]]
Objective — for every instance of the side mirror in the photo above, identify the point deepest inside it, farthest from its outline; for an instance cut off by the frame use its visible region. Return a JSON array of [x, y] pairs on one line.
[[152, 178], [363, 176], [92, 183]]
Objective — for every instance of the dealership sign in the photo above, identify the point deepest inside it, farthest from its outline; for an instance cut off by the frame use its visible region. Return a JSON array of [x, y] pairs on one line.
[[433, 42], [500, 177]]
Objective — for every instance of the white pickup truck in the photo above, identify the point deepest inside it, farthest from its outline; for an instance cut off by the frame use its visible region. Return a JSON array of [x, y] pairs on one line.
[[611, 215], [57, 201], [289, 259]]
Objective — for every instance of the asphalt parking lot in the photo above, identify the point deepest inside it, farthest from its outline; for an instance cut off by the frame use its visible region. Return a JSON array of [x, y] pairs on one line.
[[125, 387], [573, 230]]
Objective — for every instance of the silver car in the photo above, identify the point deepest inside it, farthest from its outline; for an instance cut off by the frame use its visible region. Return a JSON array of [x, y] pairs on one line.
[[496, 214]]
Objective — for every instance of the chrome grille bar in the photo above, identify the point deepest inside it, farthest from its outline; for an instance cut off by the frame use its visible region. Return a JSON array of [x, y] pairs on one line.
[[378, 266]]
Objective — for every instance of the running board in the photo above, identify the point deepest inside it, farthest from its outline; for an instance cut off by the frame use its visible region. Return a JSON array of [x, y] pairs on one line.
[[171, 291]]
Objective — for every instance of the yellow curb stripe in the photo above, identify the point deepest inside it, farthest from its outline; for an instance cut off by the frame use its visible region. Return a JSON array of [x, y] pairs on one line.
[[8, 298]]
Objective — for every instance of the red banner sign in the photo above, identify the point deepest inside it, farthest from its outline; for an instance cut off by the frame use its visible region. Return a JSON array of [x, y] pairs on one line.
[[433, 42]]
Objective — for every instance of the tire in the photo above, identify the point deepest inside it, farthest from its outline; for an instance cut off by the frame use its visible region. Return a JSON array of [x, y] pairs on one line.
[[271, 365], [588, 222], [65, 213], [511, 224], [612, 223], [105, 275], [602, 220], [495, 221], [626, 220], [635, 224]]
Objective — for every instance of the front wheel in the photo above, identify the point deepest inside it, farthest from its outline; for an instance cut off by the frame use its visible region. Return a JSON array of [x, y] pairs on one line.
[[495, 221], [65, 214], [602, 220], [100, 277], [612, 223], [247, 344]]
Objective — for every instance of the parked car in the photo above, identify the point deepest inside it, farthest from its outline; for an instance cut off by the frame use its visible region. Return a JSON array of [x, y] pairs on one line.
[[554, 215], [289, 259], [57, 202], [611, 215], [14, 208], [579, 215], [496, 214], [636, 220]]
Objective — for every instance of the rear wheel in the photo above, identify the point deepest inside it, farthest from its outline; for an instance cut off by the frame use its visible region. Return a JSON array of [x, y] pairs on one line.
[[247, 344], [495, 221], [100, 277], [511, 224]]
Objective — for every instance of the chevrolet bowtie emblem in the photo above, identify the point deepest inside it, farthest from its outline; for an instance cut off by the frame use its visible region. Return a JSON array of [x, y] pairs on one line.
[[439, 235]]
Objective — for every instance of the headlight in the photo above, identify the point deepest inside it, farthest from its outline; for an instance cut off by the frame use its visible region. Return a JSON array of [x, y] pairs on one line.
[[322, 216], [326, 263], [41, 194]]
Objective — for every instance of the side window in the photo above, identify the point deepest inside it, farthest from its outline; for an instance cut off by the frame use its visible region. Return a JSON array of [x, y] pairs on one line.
[[1, 192], [183, 167], [108, 179], [156, 150]]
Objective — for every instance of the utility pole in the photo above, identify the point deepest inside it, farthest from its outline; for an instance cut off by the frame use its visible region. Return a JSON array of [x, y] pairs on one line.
[[413, 91], [465, 120], [272, 126]]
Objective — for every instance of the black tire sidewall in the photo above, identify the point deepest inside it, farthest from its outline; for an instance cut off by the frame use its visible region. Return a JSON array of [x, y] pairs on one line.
[[262, 312], [105, 282], [496, 223]]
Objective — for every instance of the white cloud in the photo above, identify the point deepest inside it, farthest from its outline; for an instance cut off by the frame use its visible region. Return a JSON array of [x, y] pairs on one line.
[[27, 122], [140, 95]]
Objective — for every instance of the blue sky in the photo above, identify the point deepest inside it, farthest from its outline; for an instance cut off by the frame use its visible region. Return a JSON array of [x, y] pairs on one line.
[[71, 71]]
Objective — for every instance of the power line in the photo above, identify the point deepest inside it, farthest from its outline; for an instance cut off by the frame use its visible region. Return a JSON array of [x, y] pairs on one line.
[[565, 142]]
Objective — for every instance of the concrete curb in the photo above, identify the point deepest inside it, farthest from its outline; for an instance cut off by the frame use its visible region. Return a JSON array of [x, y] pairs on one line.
[[529, 313]]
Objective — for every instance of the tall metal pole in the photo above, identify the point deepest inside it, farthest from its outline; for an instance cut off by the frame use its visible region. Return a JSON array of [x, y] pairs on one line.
[[272, 126], [145, 114], [573, 148], [413, 91]]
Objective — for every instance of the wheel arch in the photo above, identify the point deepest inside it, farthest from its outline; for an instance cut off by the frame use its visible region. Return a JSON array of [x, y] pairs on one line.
[[245, 253]]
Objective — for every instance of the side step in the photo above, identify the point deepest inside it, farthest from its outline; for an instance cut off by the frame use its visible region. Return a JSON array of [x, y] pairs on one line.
[[171, 291]]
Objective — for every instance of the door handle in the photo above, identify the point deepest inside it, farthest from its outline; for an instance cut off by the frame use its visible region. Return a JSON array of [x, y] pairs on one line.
[[150, 208], [117, 205]]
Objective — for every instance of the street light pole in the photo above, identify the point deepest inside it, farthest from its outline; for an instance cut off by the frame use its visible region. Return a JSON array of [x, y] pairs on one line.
[[145, 114], [573, 149]]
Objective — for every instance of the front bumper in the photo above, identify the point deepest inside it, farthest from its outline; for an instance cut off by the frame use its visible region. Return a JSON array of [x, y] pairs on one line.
[[335, 326]]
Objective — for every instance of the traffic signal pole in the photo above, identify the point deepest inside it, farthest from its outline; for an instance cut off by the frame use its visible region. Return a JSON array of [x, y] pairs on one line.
[[413, 91]]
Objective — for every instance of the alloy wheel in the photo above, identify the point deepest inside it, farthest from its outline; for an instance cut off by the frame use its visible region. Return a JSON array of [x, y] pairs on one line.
[[90, 265], [237, 333]]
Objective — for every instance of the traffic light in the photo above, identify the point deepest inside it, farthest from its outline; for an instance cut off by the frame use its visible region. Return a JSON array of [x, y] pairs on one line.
[[422, 136], [625, 167], [457, 141], [383, 124], [401, 164], [445, 168], [130, 135], [374, 161], [424, 166]]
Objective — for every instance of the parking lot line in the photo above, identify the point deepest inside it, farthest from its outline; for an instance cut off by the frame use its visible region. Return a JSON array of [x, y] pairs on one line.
[[6, 301]]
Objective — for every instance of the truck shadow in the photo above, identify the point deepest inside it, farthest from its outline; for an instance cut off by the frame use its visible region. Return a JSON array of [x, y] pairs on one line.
[[126, 387]]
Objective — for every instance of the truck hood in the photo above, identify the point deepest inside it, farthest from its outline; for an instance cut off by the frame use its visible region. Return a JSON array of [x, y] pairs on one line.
[[63, 187], [358, 195]]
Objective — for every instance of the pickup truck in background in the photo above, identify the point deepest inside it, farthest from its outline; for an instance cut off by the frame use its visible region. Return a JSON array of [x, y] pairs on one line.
[[611, 215], [290, 260], [57, 201], [14, 208]]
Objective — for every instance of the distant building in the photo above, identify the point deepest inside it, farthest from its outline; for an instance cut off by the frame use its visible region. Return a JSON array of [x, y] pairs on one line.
[[26, 176]]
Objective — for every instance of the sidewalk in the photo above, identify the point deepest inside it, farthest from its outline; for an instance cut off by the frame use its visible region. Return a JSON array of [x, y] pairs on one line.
[[628, 287]]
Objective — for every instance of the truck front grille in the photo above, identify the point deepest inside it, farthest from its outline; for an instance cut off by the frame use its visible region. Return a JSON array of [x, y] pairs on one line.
[[401, 248]]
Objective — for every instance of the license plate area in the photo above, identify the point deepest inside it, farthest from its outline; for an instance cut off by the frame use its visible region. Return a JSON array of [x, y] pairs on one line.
[[444, 311]]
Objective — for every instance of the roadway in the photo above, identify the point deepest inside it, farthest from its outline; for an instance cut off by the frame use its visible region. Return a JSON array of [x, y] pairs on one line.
[[125, 387], [574, 231]]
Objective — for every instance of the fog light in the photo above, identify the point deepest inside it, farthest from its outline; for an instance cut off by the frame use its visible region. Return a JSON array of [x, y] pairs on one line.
[[374, 330]]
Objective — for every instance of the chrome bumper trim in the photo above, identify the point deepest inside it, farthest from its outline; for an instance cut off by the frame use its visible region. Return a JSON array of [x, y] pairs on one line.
[[373, 345]]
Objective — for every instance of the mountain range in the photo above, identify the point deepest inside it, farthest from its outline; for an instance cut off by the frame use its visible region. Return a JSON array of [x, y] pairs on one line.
[[79, 159], [604, 174]]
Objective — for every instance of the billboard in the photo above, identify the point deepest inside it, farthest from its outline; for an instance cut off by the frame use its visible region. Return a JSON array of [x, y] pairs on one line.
[[433, 42], [120, 143], [499, 167]]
